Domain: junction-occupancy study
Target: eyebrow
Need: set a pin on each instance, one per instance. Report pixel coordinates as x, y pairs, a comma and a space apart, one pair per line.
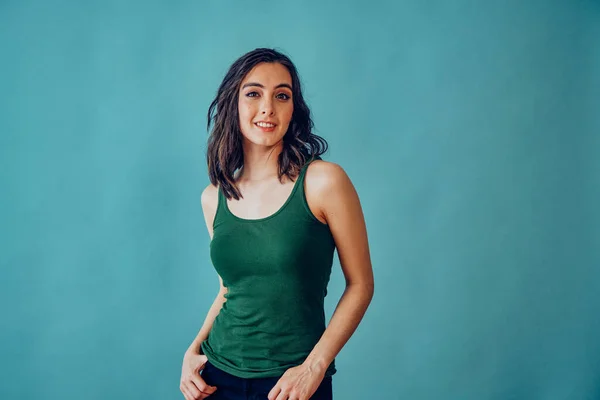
263, 86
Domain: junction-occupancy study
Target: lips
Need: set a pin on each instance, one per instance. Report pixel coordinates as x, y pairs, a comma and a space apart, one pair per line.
266, 127
265, 124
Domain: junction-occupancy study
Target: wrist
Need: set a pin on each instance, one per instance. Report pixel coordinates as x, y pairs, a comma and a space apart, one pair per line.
194, 349
316, 363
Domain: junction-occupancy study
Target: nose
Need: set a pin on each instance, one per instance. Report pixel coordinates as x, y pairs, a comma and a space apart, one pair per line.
267, 107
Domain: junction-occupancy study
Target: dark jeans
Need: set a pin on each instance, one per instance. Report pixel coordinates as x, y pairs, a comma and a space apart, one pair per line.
230, 387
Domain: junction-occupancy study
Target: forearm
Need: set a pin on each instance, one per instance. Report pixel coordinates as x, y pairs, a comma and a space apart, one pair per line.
208, 323
346, 317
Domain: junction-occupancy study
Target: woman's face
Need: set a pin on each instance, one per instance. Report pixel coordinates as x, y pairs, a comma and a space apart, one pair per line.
265, 104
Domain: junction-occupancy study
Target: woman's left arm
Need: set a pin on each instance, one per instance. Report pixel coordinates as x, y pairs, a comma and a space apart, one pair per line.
340, 206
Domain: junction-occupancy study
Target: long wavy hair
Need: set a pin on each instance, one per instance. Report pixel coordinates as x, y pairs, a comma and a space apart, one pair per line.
225, 154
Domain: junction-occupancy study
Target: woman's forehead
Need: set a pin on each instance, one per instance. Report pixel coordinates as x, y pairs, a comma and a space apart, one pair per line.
269, 75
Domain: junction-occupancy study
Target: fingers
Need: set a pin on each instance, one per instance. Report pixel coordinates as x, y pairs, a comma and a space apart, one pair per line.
283, 395
196, 389
186, 392
202, 385
274, 392
192, 385
191, 392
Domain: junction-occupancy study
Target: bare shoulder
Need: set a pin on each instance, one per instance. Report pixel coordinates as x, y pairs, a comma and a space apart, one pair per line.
209, 200
209, 197
336, 203
324, 182
325, 175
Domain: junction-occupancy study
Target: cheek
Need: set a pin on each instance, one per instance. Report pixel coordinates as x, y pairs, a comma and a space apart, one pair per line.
287, 113
245, 111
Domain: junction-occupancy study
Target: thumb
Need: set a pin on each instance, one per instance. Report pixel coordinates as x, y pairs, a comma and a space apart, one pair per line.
203, 386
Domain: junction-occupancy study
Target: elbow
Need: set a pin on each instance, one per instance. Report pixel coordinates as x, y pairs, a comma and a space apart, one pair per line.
371, 290
366, 289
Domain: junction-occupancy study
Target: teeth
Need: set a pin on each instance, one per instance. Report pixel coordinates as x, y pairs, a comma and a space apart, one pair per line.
265, 125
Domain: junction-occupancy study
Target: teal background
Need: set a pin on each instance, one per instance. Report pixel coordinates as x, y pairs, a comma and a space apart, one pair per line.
470, 130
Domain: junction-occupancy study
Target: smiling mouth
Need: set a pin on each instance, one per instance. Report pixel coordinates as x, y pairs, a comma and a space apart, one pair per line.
264, 124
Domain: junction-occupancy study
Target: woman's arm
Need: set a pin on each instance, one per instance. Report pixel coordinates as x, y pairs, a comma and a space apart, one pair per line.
339, 205
208, 321
209, 201
330, 192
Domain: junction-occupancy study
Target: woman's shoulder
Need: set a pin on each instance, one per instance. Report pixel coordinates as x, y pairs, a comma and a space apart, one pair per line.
326, 183
323, 175
209, 198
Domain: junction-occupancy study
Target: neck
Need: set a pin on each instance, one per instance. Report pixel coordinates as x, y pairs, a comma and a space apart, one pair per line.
260, 163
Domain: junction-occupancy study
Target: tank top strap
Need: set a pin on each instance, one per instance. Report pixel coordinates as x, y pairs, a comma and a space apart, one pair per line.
302, 173
221, 198
299, 196
222, 212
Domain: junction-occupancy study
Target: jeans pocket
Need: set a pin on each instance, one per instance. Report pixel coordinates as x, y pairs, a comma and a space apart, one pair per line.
325, 390
207, 367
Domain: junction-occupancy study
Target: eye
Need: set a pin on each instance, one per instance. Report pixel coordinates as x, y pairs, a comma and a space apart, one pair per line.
251, 94
283, 96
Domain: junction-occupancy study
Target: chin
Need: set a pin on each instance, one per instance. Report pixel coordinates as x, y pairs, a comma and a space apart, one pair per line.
267, 142
264, 139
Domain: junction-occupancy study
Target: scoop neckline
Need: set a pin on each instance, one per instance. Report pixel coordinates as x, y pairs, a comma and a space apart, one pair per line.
287, 201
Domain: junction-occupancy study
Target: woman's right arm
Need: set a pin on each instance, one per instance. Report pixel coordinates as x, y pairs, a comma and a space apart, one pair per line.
192, 385
208, 321
209, 200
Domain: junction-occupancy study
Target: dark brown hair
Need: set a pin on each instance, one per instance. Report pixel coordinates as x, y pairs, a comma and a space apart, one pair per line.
225, 154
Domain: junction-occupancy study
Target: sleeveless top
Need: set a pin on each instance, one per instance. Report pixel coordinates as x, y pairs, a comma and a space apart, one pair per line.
276, 270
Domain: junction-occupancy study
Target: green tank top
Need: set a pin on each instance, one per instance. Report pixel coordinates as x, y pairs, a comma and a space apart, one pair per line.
276, 270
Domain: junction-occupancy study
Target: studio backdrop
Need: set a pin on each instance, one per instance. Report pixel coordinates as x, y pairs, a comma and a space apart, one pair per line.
469, 129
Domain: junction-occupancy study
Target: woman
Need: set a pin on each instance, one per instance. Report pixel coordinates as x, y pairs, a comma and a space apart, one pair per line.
275, 213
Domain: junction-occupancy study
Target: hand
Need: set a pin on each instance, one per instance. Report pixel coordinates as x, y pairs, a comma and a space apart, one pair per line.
297, 383
192, 385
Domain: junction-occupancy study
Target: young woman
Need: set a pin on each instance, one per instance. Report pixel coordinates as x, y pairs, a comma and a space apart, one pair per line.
275, 212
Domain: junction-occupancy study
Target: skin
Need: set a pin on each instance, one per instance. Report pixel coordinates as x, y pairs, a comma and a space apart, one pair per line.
331, 197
